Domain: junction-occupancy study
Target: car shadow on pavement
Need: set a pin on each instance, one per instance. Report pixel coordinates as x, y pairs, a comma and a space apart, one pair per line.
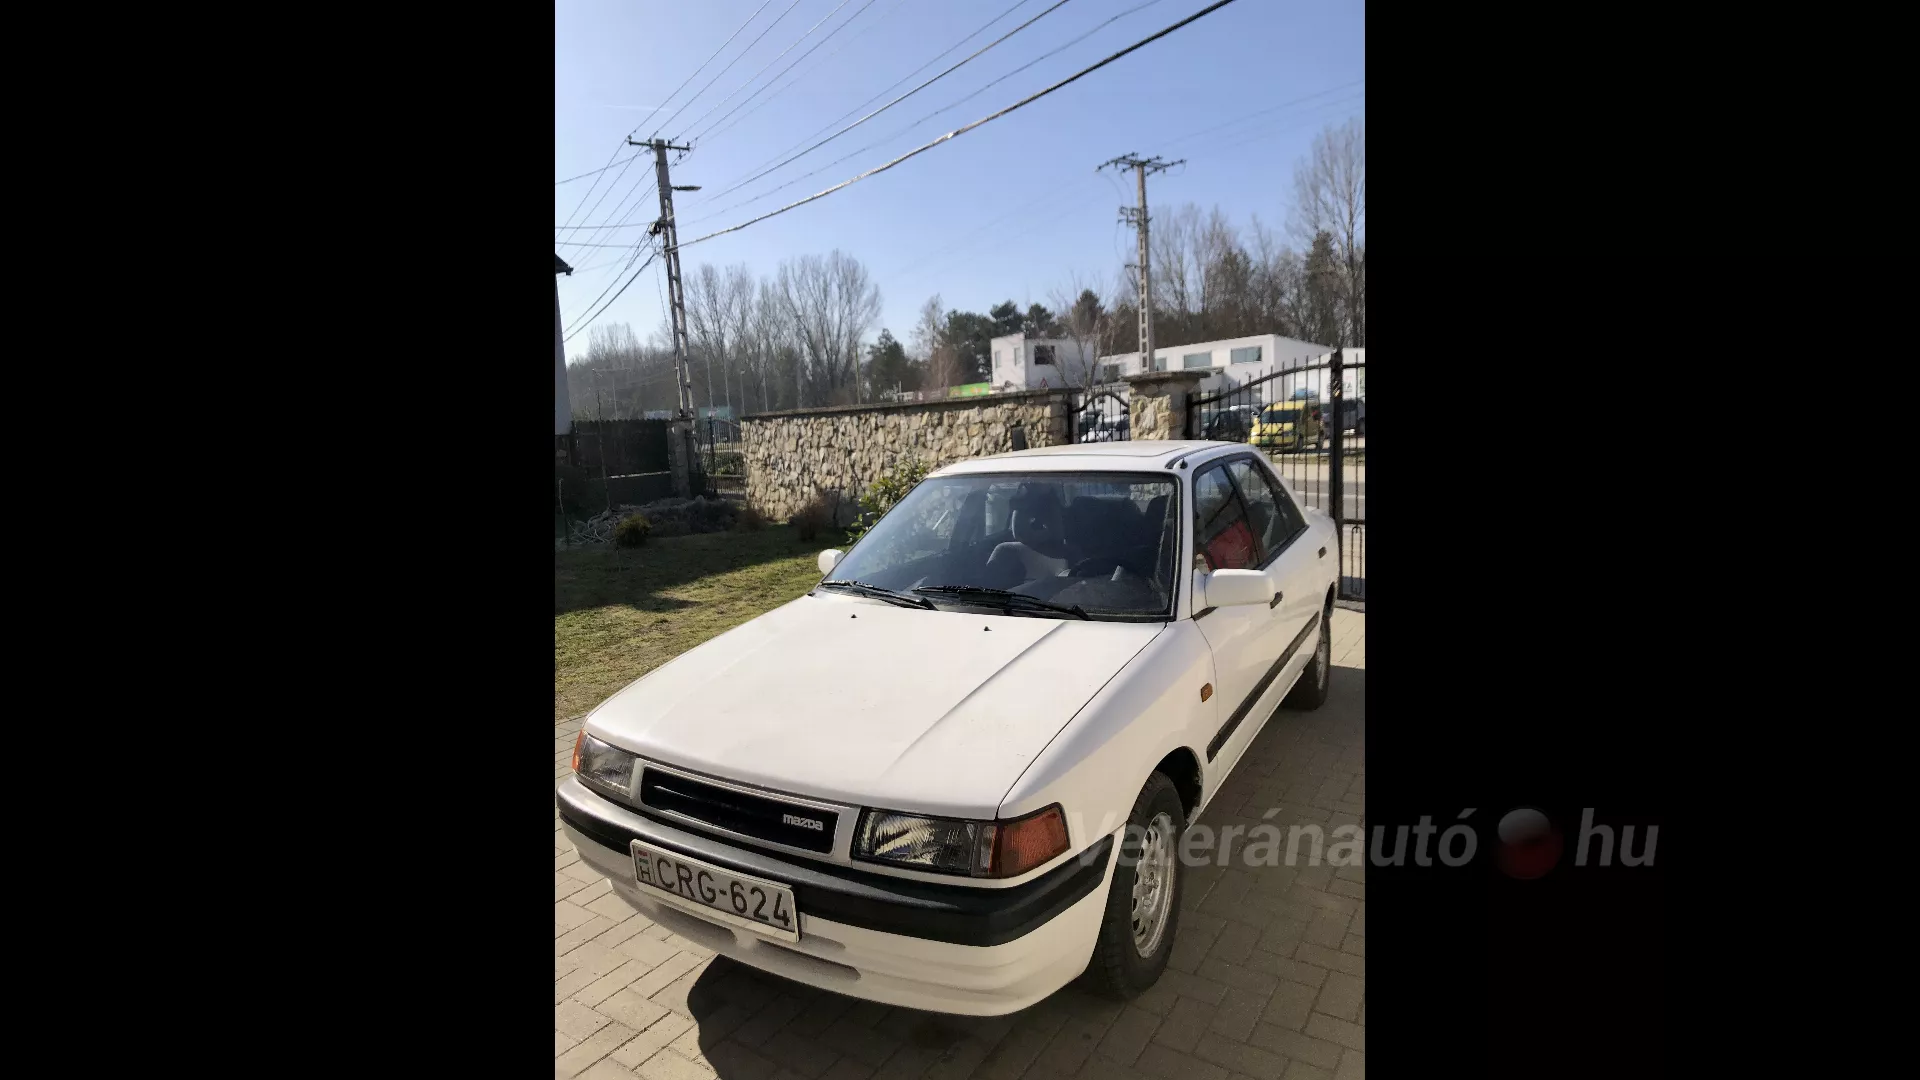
753, 1024
1220, 1000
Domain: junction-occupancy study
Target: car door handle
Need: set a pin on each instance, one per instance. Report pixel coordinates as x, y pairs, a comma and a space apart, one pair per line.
1323, 553
1275, 602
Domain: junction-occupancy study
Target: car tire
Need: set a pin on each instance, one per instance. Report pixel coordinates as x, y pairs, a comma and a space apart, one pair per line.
1310, 689
1120, 968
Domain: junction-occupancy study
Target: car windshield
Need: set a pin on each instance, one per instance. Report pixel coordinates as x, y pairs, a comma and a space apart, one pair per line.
1279, 416
1101, 542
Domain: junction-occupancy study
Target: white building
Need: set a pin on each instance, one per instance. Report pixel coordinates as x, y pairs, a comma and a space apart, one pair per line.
1023, 363
1238, 361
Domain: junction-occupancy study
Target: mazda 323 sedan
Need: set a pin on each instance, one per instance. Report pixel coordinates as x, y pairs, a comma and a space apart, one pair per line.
954, 775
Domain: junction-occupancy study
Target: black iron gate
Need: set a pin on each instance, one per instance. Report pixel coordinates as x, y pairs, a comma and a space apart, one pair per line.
1099, 416
1305, 419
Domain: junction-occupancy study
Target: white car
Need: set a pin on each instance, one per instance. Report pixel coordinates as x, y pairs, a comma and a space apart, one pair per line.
953, 776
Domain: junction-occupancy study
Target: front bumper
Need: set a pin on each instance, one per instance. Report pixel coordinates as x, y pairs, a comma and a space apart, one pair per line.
923, 945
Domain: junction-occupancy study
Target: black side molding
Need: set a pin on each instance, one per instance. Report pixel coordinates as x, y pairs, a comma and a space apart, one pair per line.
1226, 731
956, 914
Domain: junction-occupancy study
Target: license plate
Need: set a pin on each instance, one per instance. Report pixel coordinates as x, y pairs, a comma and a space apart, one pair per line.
750, 903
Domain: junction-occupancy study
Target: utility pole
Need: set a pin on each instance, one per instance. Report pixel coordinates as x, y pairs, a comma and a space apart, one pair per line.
1137, 217
669, 235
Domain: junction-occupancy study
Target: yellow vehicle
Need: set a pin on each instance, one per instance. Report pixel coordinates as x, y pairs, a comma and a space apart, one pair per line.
1289, 425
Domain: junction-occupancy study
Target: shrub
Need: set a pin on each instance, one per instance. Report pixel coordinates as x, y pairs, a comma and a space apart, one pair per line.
749, 520
632, 530
813, 518
882, 494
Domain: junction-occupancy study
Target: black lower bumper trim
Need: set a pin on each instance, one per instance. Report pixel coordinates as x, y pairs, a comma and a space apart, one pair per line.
956, 914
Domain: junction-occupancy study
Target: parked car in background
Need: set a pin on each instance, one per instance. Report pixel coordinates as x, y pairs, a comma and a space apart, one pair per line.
1233, 424
1353, 416
1289, 425
1114, 428
954, 776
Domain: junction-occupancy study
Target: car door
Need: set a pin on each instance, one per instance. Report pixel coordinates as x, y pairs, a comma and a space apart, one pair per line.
1290, 556
1245, 639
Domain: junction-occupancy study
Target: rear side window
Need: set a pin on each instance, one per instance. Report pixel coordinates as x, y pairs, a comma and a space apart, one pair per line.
1225, 538
1270, 513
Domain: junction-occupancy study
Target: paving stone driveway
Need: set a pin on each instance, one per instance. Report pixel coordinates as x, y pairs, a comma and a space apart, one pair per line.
1267, 979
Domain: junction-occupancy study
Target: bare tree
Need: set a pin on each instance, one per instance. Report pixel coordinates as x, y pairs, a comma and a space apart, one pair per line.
737, 316
707, 324
716, 318
1178, 264
1330, 196
1084, 319
942, 363
831, 302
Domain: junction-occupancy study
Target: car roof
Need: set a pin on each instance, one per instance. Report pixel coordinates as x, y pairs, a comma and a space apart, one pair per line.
1135, 456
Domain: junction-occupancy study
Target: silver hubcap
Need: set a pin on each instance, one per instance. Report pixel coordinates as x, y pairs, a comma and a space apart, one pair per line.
1153, 878
1325, 653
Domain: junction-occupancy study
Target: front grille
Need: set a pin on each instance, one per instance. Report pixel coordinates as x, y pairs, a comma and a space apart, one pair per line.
738, 812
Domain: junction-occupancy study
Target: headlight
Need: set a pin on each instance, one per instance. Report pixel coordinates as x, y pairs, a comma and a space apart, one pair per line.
603, 765
950, 846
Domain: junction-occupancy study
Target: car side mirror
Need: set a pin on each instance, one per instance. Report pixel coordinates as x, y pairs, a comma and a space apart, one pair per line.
829, 559
1233, 588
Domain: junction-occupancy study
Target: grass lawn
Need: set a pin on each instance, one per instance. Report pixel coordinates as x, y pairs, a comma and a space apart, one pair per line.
620, 613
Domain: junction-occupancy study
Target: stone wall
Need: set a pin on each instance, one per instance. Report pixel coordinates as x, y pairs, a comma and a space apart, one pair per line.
842, 449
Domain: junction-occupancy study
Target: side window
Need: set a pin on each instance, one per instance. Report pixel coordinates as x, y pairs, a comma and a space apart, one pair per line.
1272, 515
1220, 528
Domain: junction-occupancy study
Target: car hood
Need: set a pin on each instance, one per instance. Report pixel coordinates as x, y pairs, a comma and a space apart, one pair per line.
856, 701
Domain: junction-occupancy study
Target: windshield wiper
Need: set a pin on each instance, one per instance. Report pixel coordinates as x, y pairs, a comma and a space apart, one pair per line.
861, 588
1010, 599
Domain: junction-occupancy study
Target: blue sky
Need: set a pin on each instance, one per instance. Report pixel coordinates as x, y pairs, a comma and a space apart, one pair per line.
1009, 210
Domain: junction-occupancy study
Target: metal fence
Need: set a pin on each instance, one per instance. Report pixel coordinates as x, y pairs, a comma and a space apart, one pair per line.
621, 447
1099, 416
724, 451
1305, 419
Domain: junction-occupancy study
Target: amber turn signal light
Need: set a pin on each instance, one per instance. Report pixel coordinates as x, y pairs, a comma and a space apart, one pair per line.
578, 741
1206, 692
1022, 844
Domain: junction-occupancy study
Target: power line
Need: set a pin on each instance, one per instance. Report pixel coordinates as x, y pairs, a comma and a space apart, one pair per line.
576, 243
957, 132
890, 136
582, 325
983, 232
729, 67
613, 158
604, 194
1055, 7
626, 221
1273, 108
575, 228
593, 172
1244, 137
897, 82
750, 79
704, 63
722, 126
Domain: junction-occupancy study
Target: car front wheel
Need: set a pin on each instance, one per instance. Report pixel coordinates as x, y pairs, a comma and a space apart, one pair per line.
1143, 906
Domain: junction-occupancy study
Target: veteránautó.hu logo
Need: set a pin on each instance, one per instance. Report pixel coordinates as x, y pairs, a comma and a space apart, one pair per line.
1525, 842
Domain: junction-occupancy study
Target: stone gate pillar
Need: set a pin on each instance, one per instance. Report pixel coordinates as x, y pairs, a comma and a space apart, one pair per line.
1157, 403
